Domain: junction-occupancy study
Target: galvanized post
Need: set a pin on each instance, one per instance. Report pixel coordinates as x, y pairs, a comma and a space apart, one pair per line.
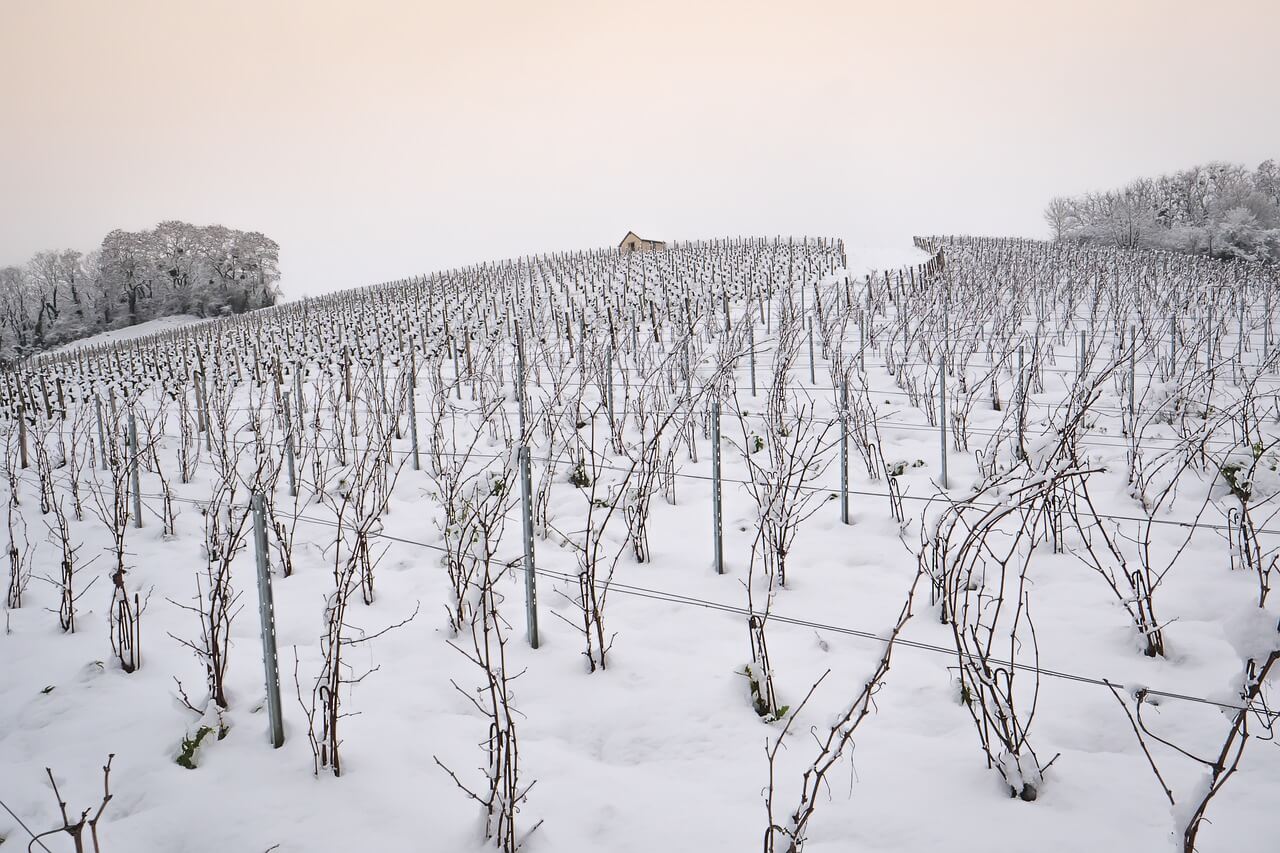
844, 451
203, 391
862, 342
1266, 324
813, 380
134, 478
518, 380
297, 392
22, 435
102, 433
457, 373
1022, 403
289, 463
267, 619
413, 410
526, 518
202, 419
1240, 330
688, 369
608, 385
942, 414
688, 398
1239, 365
751, 346
717, 528
1133, 377
1209, 345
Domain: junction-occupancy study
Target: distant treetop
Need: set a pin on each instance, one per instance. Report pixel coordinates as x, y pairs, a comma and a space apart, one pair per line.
175, 268
1218, 209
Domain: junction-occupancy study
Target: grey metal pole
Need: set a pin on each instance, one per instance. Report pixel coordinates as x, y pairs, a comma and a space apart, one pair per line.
862, 342
102, 433
751, 346
289, 462
942, 414
201, 419
22, 435
1021, 412
813, 379
457, 374
203, 391
608, 385
844, 451
267, 618
1209, 344
1133, 376
717, 527
1266, 324
134, 478
688, 369
297, 393
1237, 366
518, 379
526, 518
413, 410
688, 398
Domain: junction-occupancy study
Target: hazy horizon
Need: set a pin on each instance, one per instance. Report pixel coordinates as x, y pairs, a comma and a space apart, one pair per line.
383, 140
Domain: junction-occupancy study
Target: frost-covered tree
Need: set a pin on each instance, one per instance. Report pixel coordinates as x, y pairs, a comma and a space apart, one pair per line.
1217, 209
174, 268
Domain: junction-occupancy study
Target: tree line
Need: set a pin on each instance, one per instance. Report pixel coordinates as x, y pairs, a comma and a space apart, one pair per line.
175, 268
1222, 210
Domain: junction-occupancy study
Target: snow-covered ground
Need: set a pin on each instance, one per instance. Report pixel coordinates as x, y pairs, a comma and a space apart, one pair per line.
141, 330
662, 751
864, 260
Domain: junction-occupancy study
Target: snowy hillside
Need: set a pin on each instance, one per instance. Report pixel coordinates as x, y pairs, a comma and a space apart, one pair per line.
998, 539
140, 330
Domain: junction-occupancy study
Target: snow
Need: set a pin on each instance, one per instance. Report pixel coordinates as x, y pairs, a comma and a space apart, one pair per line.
140, 330
864, 260
662, 751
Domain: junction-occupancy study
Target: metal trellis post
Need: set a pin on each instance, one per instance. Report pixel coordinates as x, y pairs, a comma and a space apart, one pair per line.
526, 518
267, 618
290, 464
844, 451
942, 415
717, 528
134, 478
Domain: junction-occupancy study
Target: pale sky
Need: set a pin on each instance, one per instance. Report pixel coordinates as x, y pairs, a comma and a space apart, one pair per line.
378, 139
